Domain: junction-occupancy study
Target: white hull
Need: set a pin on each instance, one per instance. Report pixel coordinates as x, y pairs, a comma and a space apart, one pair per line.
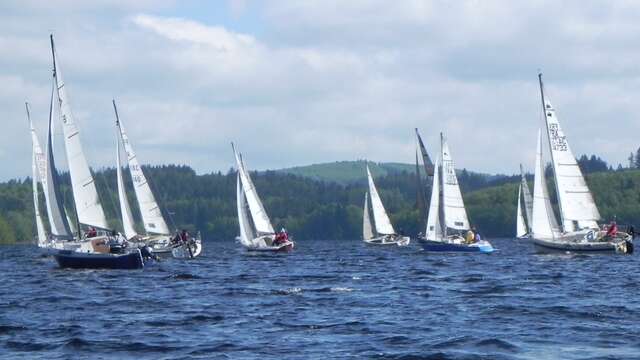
188, 250
266, 243
389, 240
584, 241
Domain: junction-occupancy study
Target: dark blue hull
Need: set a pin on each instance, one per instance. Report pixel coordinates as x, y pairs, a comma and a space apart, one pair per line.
75, 260
448, 247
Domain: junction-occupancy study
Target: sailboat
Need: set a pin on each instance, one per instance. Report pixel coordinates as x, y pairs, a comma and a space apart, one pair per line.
256, 231
381, 232
38, 176
447, 220
94, 249
422, 157
578, 211
523, 225
158, 236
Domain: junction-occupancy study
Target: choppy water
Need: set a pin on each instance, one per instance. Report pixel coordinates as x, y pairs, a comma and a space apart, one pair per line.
327, 299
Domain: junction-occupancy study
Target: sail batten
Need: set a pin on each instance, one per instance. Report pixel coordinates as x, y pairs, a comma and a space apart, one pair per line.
152, 218
380, 218
87, 202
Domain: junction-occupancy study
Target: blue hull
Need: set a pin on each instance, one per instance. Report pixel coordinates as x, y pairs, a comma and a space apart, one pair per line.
445, 247
75, 260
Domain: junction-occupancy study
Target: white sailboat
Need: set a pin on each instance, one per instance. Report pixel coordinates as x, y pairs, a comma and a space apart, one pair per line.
157, 236
382, 232
447, 221
578, 211
523, 225
256, 231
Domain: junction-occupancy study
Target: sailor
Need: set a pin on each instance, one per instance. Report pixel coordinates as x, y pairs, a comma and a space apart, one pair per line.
632, 231
613, 229
281, 237
477, 238
470, 236
92, 232
184, 236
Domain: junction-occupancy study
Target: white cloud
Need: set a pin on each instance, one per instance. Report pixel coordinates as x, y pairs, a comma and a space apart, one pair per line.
324, 81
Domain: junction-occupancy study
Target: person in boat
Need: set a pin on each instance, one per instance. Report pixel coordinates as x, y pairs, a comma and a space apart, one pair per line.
477, 238
613, 230
184, 236
91, 232
281, 237
470, 236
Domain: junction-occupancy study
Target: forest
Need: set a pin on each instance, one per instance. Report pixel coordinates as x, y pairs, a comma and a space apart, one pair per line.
312, 208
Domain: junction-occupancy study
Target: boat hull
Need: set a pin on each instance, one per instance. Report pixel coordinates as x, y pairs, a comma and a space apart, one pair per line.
189, 250
439, 246
543, 245
284, 247
389, 240
77, 260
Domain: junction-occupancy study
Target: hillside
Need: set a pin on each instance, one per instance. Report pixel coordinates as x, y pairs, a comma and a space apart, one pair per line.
310, 209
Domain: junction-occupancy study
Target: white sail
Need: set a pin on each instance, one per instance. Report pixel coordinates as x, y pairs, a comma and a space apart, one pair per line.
367, 230
247, 234
258, 214
38, 168
71, 223
380, 218
542, 214
85, 195
58, 222
151, 214
521, 229
434, 227
125, 210
526, 198
577, 208
455, 215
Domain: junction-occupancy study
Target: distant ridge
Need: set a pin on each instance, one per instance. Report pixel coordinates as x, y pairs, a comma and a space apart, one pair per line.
348, 172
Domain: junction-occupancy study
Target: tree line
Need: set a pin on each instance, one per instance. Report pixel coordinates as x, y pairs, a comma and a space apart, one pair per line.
313, 209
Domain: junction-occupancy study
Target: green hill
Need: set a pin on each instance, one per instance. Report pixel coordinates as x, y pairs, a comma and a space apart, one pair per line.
345, 172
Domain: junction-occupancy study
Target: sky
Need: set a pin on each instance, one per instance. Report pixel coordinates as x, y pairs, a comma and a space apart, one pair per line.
302, 82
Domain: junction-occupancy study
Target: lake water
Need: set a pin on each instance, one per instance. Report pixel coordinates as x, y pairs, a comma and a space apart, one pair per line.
327, 299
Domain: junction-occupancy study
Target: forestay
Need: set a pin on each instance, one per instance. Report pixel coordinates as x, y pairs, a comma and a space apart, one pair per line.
149, 209
455, 215
86, 198
367, 230
380, 217
258, 214
577, 207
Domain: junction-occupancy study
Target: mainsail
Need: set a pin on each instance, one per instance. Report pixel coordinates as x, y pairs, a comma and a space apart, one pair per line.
247, 232
380, 217
58, 223
149, 209
426, 160
85, 195
125, 210
434, 227
258, 214
38, 168
577, 207
367, 230
542, 217
455, 215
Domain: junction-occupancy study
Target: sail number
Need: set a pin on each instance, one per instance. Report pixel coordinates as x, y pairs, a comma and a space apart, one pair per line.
558, 142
